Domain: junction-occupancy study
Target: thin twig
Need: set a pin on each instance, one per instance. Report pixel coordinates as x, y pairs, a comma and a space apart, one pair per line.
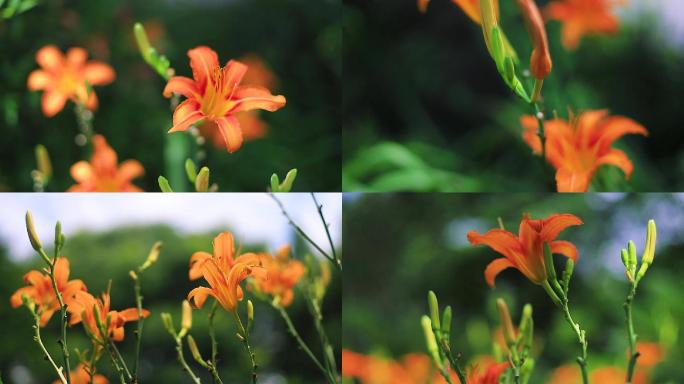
245, 340
319, 208
214, 346
139, 330
317, 316
631, 336
183, 362
37, 338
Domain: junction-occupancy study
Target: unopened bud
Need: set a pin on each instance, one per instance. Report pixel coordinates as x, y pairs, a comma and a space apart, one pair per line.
33, 236
430, 341
434, 310
506, 322
202, 180
540, 61
286, 185
446, 324
191, 170
152, 257
167, 320
43, 162
195, 351
250, 315
186, 320
649, 249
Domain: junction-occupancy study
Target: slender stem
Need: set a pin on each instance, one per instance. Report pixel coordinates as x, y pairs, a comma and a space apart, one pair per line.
319, 208
183, 362
631, 336
581, 338
63, 317
139, 330
317, 316
121, 359
541, 132
212, 335
303, 234
453, 361
37, 338
302, 344
248, 348
115, 363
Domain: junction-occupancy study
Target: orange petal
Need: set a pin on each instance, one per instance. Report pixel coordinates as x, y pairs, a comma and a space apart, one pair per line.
104, 159
530, 126
203, 61
252, 97
564, 248
199, 295
224, 246
182, 86
76, 56
52, 102
553, 225
471, 8
230, 130
233, 73
503, 242
129, 170
82, 172
16, 298
422, 5
50, 58
619, 159
38, 80
62, 272
97, 73
186, 114
196, 264
614, 127
570, 181
118, 333
131, 314
46, 316
494, 268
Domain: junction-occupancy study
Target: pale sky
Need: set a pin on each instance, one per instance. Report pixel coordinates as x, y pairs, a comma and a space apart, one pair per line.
253, 217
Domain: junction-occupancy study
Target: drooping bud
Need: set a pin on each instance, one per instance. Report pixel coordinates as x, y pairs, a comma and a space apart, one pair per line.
202, 180
506, 322
33, 236
195, 351
186, 320
430, 341
434, 310
649, 250
540, 61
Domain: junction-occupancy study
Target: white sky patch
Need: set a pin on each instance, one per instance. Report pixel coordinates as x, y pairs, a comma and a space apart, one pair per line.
254, 217
668, 13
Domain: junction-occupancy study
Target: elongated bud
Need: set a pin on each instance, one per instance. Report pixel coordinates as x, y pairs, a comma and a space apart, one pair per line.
202, 180
186, 320
506, 322
434, 310
250, 315
286, 185
59, 237
489, 21
275, 183
239, 336
43, 162
649, 250
164, 184
446, 324
527, 325
195, 351
167, 320
624, 256
632, 256
540, 61
33, 236
143, 42
152, 256
526, 370
191, 170
548, 262
567, 274
430, 341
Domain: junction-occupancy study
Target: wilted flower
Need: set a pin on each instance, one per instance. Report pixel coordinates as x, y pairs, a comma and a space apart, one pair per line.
103, 173
215, 96
583, 17
579, 147
67, 78
41, 292
525, 252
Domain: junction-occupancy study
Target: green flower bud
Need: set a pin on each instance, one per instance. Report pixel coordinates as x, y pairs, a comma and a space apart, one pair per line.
195, 351
434, 309
43, 161
250, 315
152, 256
164, 184
430, 341
191, 170
167, 320
446, 324
33, 236
649, 250
506, 322
186, 319
202, 180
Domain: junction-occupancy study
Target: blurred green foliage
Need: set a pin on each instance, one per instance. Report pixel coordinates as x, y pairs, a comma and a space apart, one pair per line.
299, 40
427, 83
98, 258
399, 246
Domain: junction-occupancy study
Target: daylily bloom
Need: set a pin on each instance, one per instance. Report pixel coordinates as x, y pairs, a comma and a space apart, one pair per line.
282, 274
540, 61
485, 370
224, 255
413, 368
570, 374
252, 126
82, 309
103, 173
215, 96
576, 149
80, 376
525, 252
650, 354
583, 17
224, 284
66, 78
41, 292
470, 7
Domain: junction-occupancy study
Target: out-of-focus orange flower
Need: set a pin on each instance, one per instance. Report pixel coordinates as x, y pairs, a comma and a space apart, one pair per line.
570, 374
470, 7
65, 78
215, 96
525, 252
223, 272
650, 354
103, 173
540, 61
485, 370
282, 274
80, 376
252, 126
583, 17
224, 255
82, 309
578, 148
414, 368
40, 291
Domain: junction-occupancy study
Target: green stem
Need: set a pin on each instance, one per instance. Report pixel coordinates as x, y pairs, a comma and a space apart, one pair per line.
319, 207
139, 330
302, 344
38, 339
183, 362
581, 339
121, 360
248, 348
115, 363
214, 343
631, 336
541, 132
317, 316
63, 317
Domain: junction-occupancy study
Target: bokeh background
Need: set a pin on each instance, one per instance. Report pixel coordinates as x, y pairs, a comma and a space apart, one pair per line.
299, 40
399, 246
425, 110
109, 235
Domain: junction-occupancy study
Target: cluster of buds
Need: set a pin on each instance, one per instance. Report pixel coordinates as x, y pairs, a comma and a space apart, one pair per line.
286, 185
518, 342
186, 321
437, 332
629, 256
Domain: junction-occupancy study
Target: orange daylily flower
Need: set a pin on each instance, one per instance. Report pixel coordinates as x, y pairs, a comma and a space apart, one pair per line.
583, 17
485, 370
40, 291
82, 309
215, 96
540, 60
525, 252
103, 173
282, 274
650, 354
576, 149
65, 78
570, 374
413, 368
252, 126
224, 255
81, 376
470, 7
